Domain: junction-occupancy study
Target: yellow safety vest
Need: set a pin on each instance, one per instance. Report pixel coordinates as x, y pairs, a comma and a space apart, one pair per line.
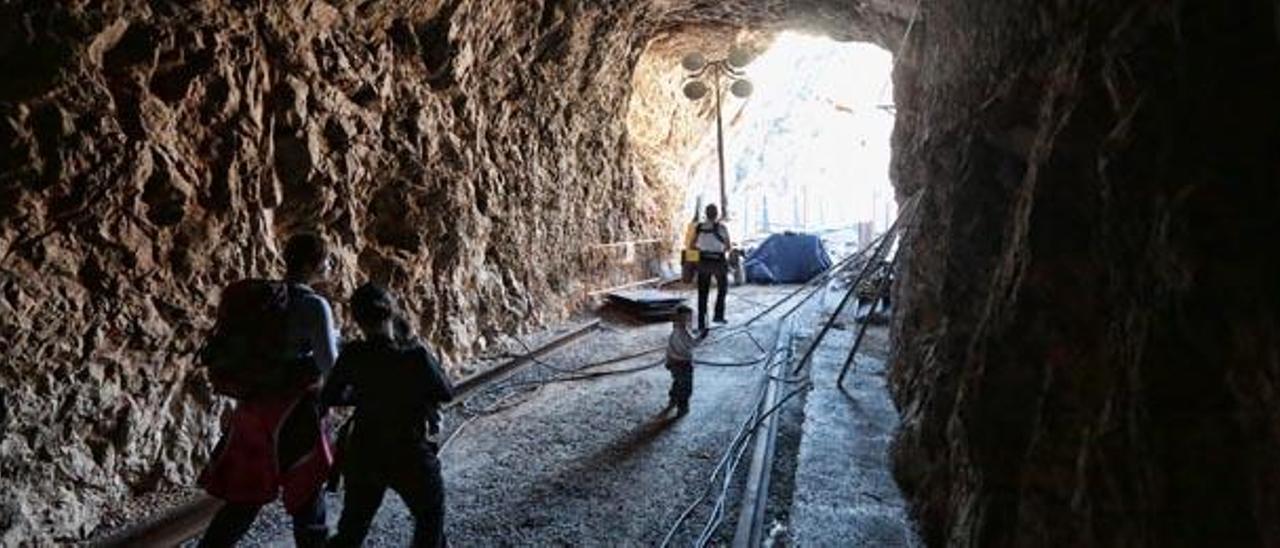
690, 233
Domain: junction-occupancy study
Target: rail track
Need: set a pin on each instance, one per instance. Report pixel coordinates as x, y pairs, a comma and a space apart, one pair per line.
779, 368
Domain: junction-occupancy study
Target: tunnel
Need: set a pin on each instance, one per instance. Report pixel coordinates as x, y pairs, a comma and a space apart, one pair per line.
1084, 346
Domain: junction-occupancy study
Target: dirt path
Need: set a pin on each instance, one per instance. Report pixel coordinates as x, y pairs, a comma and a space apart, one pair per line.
587, 463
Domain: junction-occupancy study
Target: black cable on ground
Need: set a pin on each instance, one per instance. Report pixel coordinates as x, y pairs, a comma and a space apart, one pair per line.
497, 406
737, 445
715, 473
742, 328
813, 286
752, 336
454, 434
592, 375
717, 514
572, 374
616, 359
731, 459
710, 529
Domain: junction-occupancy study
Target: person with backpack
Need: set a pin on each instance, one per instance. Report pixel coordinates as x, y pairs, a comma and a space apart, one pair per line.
711, 239
270, 349
396, 385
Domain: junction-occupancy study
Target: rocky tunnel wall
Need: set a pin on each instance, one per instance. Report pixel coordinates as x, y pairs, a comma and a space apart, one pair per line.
1086, 332
1087, 348
469, 154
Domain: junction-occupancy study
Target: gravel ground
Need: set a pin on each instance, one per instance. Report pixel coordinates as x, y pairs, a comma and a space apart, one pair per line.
783, 476
143, 506
845, 494
591, 463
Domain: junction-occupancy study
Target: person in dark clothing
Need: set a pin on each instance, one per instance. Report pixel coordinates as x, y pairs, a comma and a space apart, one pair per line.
680, 361
711, 239
396, 386
276, 442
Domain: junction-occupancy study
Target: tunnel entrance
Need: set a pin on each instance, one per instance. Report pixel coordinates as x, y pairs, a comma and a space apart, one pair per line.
810, 150
1084, 315
807, 151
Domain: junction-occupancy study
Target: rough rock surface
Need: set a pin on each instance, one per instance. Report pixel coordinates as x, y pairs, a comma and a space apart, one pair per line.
1088, 337
667, 131
1089, 350
468, 153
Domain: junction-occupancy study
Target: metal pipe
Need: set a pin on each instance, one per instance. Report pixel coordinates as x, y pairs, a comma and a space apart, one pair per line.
862, 331
724, 195
471, 383
624, 286
755, 496
171, 528
890, 236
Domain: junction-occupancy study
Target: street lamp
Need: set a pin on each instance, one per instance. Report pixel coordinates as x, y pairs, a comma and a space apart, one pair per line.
719, 72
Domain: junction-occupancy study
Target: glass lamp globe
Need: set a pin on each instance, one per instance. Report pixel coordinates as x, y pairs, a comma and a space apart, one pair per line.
693, 62
695, 90
741, 88
739, 57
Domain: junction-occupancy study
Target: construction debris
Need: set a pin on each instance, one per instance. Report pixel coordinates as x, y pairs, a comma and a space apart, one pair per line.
645, 305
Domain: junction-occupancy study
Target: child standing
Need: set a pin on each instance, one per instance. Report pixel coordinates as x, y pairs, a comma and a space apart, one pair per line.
397, 387
680, 361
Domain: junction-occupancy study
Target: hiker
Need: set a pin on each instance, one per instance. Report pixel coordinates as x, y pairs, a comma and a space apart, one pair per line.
711, 239
272, 345
396, 386
680, 361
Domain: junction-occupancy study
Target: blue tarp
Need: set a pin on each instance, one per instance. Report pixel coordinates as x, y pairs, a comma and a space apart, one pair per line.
787, 258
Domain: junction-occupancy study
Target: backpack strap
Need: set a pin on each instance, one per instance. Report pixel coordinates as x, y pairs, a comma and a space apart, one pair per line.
714, 230
297, 289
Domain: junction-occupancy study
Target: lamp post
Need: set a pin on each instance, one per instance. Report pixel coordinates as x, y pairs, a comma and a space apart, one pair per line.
718, 72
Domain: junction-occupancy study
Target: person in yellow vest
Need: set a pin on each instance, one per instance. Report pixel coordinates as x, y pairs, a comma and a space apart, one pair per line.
710, 239
689, 255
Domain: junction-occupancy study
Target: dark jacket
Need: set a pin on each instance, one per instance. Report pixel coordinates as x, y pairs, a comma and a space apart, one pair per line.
396, 389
